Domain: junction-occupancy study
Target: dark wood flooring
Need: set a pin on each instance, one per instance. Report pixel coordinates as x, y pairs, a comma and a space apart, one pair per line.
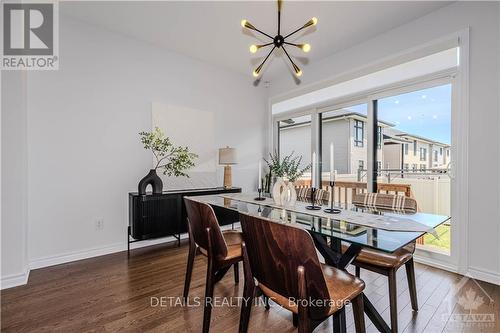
112, 293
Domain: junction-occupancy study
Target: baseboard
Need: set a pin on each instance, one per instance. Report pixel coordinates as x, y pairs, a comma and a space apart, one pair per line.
435, 263
484, 275
75, 255
14, 280
100, 251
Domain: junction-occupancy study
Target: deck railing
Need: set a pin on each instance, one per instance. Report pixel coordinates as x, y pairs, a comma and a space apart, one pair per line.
343, 191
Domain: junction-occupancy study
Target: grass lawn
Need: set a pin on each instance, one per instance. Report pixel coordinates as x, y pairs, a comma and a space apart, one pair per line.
444, 238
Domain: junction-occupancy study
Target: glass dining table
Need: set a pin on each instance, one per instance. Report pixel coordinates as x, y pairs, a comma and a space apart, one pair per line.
329, 233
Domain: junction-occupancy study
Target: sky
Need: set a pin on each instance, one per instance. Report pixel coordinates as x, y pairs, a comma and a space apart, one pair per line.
424, 113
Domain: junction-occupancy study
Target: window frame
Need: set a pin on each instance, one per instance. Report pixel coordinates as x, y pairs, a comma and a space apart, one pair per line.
357, 142
459, 77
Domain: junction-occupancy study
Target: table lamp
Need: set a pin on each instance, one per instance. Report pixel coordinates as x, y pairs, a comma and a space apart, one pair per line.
227, 157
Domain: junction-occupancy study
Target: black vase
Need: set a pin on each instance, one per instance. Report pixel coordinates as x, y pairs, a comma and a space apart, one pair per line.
153, 180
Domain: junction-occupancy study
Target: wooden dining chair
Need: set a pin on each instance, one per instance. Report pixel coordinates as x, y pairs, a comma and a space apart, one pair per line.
304, 193
388, 263
222, 248
281, 261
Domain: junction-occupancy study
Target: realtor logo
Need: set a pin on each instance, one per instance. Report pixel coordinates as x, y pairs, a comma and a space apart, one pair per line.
29, 36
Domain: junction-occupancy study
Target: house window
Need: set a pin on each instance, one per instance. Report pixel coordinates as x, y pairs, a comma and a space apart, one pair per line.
414, 147
406, 148
359, 129
361, 165
379, 137
414, 167
423, 154
423, 167
379, 165
441, 151
406, 166
448, 153
435, 155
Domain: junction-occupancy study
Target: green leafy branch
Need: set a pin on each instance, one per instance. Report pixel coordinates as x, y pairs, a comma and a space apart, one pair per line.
288, 167
174, 160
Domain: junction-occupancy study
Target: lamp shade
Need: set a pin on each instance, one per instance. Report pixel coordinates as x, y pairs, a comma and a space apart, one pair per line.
227, 156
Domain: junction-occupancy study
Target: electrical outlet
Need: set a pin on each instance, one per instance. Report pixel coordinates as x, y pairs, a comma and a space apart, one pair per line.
99, 224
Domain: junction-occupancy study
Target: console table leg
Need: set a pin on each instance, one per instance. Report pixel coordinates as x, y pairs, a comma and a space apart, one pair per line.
128, 241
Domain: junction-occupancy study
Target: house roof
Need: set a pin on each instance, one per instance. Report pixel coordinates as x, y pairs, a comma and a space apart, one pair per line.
390, 133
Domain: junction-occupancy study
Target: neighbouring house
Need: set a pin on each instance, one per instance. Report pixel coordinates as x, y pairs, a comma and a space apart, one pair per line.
348, 132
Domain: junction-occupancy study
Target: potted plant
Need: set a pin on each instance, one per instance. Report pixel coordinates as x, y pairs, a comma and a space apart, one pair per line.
286, 171
174, 160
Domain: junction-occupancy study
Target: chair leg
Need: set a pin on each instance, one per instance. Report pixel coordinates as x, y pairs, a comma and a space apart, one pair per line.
304, 325
393, 300
410, 275
359, 315
236, 273
209, 293
189, 270
266, 302
295, 320
246, 305
358, 271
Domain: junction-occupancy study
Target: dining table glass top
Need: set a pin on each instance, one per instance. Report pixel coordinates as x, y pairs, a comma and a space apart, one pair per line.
315, 222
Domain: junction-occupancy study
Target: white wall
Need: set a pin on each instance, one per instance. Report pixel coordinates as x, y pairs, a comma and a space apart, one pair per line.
483, 20
83, 123
14, 268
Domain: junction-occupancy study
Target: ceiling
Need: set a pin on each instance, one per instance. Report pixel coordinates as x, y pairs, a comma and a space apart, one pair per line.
211, 31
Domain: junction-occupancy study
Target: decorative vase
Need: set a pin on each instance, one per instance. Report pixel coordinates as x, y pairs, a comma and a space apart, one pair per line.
284, 193
151, 179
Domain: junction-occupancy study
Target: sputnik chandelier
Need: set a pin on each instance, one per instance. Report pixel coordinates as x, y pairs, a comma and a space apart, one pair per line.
279, 41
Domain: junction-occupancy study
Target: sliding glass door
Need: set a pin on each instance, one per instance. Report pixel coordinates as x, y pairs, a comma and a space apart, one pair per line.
416, 150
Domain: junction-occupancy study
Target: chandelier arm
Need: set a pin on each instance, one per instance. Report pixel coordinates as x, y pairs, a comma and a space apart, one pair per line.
254, 28
265, 59
295, 31
289, 58
293, 44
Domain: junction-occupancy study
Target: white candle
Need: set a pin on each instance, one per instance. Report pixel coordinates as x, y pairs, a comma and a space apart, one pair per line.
260, 175
332, 173
313, 173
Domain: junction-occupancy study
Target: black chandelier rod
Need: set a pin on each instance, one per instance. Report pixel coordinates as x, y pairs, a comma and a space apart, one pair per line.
289, 58
279, 16
265, 59
308, 24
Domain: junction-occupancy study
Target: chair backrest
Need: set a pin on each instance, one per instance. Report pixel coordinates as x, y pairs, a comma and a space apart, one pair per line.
200, 217
392, 202
304, 193
276, 251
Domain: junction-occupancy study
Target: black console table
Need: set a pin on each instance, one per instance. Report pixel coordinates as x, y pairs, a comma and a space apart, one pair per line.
161, 215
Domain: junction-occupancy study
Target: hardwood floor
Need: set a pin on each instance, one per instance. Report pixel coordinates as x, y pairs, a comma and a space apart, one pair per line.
112, 293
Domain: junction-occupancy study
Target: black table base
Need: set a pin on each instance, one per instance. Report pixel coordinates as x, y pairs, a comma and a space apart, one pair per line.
334, 257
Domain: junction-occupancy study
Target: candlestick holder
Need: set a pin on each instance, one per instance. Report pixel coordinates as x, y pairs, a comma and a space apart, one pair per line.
260, 198
313, 201
332, 210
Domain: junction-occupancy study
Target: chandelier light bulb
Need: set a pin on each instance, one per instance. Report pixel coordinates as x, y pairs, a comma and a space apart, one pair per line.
305, 47
253, 48
243, 23
255, 73
314, 21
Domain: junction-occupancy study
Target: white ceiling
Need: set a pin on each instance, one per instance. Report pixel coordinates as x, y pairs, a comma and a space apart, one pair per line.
211, 31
